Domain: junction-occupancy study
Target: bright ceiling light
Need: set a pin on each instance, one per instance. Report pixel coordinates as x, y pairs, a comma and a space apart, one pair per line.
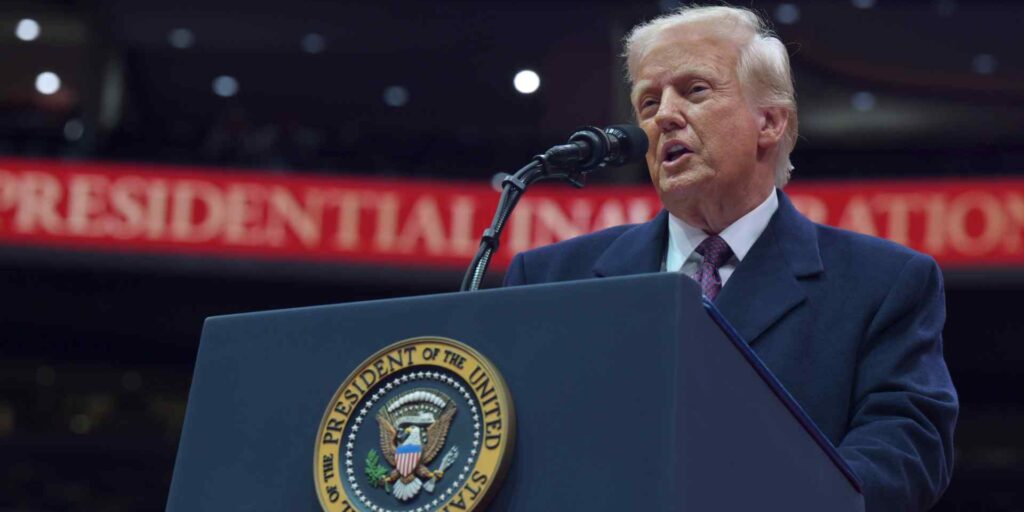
27, 29
526, 81
47, 82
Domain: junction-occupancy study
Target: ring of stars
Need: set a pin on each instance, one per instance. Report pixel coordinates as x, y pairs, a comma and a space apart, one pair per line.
392, 383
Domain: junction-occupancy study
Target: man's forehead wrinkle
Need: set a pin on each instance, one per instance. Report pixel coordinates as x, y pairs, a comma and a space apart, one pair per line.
661, 63
704, 48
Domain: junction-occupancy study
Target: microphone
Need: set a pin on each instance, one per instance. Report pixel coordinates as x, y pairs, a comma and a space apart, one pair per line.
588, 149
591, 147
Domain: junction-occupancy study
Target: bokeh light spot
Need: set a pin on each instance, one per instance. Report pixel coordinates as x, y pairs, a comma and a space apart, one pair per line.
27, 29
225, 86
47, 82
863, 101
396, 96
787, 14
181, 38
526, 81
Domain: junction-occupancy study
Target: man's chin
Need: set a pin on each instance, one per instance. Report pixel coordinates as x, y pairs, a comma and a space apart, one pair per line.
681, 190
681, 184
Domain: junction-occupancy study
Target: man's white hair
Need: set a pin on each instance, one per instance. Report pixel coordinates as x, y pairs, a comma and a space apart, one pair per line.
763, 64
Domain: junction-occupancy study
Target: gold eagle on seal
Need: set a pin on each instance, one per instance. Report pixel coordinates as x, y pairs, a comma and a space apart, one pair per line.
413, 429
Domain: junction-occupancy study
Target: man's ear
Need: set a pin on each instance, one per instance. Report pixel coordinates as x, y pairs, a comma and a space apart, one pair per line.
772, 126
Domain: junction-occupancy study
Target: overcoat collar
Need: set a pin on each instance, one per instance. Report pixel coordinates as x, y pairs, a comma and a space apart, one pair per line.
765, 285
639, 250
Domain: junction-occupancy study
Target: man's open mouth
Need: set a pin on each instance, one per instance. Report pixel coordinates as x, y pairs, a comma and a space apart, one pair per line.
674, 151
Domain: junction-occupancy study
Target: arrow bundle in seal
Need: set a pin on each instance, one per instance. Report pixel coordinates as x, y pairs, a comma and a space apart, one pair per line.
448, 460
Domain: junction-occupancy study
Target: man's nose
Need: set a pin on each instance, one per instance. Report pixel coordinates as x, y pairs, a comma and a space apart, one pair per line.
669, 116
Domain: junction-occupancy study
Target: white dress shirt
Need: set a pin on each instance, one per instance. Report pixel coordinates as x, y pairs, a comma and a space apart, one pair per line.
683, 239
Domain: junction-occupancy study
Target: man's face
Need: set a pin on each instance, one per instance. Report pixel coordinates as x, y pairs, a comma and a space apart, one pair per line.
702, 126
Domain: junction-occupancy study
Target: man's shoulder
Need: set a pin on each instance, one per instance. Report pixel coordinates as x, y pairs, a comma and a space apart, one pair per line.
567, 260
591, 243
866, 255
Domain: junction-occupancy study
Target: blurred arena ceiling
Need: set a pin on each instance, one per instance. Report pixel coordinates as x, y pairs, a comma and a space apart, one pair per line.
895, 74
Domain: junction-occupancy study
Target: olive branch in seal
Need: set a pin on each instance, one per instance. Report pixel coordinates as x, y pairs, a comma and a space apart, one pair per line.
375, 471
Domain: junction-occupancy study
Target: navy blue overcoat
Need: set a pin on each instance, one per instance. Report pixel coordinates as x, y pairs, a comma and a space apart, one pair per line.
850, 324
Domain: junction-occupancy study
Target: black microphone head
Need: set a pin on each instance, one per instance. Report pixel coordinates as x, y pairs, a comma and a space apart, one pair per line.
632, 143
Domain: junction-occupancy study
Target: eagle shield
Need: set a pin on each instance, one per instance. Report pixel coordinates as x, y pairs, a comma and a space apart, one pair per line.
407, 457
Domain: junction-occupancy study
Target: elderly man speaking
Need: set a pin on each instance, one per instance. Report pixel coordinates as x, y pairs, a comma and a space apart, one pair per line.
850, 324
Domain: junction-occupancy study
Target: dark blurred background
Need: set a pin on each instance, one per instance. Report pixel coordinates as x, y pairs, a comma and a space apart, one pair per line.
97, 349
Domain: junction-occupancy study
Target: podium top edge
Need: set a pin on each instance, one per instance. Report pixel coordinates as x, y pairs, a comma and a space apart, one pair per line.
671, 277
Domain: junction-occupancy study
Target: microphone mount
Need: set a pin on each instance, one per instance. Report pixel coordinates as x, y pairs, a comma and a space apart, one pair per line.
512, 189
585, 151
588, 149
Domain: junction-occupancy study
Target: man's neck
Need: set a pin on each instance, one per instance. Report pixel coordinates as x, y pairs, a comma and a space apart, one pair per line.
715, 218
741, 235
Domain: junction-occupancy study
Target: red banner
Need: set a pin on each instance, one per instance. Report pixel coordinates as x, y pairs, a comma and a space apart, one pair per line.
146, 208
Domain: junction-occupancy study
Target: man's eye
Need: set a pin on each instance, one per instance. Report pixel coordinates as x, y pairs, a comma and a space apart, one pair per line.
698, 88
647, 103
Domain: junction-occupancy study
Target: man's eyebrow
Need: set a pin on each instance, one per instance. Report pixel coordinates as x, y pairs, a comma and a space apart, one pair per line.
703, 72
638, 88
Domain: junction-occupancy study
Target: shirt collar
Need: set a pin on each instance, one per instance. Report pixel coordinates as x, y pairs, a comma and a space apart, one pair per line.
683, 238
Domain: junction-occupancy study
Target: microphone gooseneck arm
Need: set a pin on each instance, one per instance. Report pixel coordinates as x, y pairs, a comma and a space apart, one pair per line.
512, 189
588, 149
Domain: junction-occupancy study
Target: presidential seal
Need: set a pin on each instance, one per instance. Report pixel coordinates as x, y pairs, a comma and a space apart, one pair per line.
425, 424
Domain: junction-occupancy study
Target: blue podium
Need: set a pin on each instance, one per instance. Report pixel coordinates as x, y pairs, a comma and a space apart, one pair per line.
630, 394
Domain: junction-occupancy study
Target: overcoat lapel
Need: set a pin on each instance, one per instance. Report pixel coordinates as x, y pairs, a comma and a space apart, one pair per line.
765, 286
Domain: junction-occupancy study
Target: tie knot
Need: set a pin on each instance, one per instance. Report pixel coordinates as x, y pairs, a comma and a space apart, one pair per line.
714, 250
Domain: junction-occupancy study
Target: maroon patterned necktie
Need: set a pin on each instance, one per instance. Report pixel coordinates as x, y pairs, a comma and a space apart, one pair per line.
715, 252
